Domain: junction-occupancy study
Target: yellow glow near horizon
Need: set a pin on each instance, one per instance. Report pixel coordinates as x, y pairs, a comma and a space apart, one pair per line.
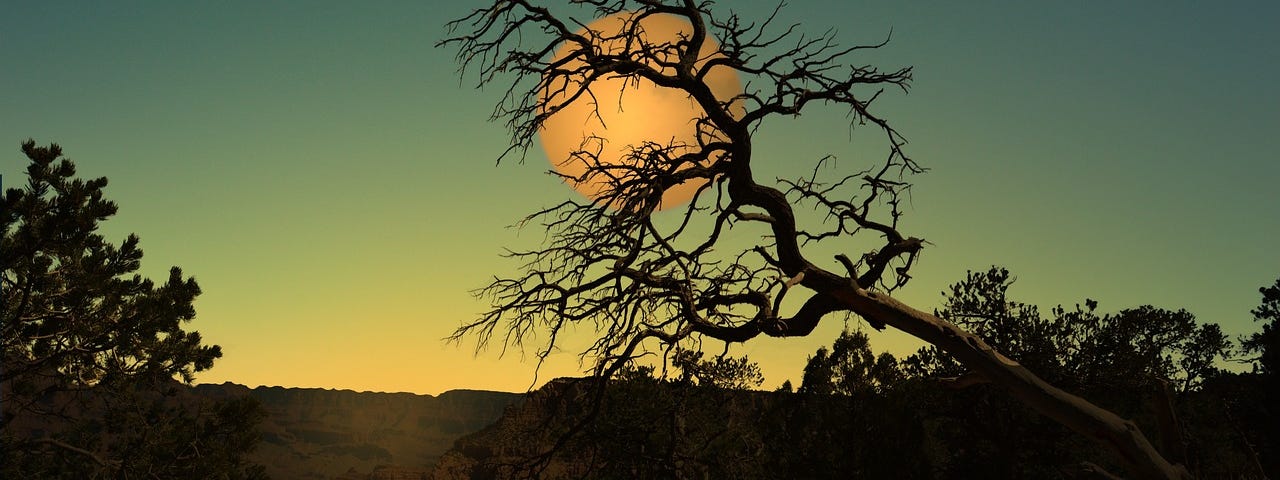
630, 112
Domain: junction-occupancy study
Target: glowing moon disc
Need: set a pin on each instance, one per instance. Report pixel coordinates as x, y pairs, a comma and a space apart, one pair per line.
631, 112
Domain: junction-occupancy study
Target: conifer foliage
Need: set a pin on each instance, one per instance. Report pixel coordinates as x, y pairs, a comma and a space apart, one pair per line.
92, 350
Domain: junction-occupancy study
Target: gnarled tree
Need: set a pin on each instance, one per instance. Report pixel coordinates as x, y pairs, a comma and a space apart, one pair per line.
647, 283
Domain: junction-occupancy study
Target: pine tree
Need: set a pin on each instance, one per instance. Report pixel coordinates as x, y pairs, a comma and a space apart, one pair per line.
92, 350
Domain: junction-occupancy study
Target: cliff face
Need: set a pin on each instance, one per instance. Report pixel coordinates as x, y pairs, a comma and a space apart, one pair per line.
314, 433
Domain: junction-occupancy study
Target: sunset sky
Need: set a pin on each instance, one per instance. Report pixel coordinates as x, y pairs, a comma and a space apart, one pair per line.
331, 184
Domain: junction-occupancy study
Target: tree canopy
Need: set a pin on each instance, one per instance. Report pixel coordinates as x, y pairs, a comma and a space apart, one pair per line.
863, 414
91, 348
1076, 347
1266, 343
850, 368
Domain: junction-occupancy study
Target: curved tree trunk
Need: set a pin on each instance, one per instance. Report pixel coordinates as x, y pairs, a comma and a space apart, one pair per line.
1118, 434
799, 75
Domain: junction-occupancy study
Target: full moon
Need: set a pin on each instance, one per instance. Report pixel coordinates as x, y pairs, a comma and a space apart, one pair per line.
631, 112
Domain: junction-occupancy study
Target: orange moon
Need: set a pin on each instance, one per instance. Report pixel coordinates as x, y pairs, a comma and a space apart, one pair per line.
631, 112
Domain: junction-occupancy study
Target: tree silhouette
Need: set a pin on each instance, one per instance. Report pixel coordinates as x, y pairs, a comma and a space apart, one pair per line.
1132, 362
91, 348
734, 373
647, 284
1266, 343
1258, 402
1077, 347
850, 368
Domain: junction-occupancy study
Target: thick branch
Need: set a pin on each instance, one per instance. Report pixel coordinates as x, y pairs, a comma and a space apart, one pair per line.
1121, 435
637, 283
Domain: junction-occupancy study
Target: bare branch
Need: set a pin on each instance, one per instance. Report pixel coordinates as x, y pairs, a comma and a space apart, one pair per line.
615, 265
74, 449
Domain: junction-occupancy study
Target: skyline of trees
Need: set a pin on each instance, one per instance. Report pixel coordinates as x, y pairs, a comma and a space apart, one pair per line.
94, 355
860, 413
1176, 347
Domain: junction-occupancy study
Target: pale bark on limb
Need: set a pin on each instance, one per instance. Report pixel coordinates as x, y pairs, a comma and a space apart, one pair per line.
606, 263
1120, 435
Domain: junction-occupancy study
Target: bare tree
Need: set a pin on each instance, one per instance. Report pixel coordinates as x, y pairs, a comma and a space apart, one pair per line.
647, 285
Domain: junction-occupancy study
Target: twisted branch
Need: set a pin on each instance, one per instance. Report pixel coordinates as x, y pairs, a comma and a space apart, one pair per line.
635, 278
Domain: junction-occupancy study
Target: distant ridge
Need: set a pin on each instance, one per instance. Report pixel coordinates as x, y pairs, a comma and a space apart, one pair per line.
317, 433
216, 388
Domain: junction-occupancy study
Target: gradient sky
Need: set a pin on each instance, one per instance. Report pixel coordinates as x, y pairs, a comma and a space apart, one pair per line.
321, 171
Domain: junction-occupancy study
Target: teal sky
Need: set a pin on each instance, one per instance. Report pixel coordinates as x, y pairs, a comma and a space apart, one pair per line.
322, 172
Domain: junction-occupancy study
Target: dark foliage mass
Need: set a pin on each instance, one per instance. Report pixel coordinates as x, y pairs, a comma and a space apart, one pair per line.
1256, 397
862, 415
1077, 348
91, 349
1266, 343
722, 266
1146, 363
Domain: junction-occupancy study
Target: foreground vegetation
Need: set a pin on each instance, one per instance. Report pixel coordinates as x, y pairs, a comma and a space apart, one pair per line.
92, 349
861, 415
93, 355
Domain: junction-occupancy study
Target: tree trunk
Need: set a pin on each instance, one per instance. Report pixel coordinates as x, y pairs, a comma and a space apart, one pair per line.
1119, 435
